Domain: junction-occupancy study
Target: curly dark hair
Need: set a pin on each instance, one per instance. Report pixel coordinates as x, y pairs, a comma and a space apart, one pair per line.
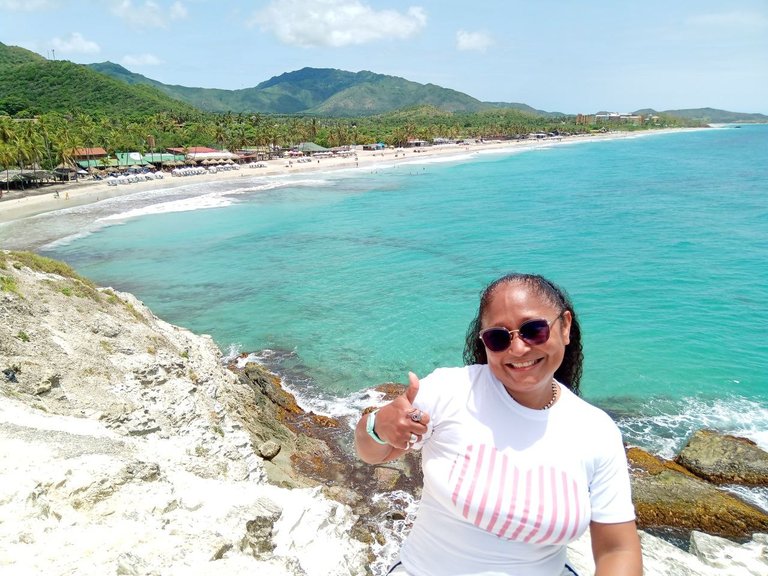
569, 372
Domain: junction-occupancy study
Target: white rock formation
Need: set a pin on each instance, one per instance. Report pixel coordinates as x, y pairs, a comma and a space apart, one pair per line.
709, 556
119, 453
123, 452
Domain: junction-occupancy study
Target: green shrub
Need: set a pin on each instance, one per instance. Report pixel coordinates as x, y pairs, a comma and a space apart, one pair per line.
8, 284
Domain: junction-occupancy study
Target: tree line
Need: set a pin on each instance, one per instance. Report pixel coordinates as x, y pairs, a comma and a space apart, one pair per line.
49, 140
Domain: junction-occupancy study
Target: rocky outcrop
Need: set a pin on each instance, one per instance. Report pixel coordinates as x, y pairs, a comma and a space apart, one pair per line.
127, 448
706, 556
667, 496
725, 459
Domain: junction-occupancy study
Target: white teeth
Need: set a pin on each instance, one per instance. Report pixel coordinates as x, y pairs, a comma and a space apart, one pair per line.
523, 364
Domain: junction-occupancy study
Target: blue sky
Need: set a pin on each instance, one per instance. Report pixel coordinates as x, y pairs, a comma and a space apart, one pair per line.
556, 55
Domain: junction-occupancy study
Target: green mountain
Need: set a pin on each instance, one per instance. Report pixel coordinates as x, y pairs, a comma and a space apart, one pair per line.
31, 84
710, 115
12, 55
322, 91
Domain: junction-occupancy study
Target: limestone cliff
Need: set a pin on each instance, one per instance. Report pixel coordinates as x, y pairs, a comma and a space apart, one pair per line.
126, 447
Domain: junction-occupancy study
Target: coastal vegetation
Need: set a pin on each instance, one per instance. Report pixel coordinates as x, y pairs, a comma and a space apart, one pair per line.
47, 140
49, 109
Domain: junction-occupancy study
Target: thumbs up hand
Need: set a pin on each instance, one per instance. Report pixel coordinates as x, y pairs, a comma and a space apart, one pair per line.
399, 423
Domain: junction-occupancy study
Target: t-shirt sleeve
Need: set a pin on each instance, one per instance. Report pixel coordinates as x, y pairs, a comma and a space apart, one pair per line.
610, 490
429, 397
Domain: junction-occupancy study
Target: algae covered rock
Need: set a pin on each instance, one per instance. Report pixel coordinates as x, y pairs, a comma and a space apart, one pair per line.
725, 459
667, 497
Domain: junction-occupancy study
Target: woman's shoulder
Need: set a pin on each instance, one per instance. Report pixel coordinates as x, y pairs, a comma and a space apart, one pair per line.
590, 414
458, 375
448, 376
445, 383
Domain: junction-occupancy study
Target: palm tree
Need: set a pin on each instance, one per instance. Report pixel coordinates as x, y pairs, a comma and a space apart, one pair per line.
7, 157
87, 129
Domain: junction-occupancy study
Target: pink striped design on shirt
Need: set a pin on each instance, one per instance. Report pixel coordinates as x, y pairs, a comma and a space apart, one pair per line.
567, 512
539, 509
500, 494
492, 454
540, 505
513, 503
473, 484
527, 509
465, 465
554, 507
577, 513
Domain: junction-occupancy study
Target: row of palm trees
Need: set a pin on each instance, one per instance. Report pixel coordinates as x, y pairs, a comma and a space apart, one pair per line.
49, 140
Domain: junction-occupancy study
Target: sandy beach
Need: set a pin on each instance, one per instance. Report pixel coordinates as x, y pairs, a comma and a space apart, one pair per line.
16, 204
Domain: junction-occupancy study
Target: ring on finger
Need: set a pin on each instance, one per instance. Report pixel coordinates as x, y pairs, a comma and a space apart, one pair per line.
415, 415
413, 439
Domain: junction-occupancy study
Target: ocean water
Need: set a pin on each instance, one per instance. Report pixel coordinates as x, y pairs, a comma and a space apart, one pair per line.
344, 280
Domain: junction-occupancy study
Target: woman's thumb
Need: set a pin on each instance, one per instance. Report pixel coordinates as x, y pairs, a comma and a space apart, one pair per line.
413, 387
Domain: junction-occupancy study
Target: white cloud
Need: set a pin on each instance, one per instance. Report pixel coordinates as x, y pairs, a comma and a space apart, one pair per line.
479, 41
75, 44
25, 5
147, 14
178, 11
141, 60
336, 23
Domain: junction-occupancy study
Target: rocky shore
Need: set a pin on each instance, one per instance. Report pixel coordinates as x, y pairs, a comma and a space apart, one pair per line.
128, 447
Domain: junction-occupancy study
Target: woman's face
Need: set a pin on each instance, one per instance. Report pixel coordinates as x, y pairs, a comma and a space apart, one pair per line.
526, 370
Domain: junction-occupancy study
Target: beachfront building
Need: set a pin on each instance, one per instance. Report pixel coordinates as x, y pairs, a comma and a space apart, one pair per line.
618, 117
255, 153
200, 154
162, 160
87, 154
311, 149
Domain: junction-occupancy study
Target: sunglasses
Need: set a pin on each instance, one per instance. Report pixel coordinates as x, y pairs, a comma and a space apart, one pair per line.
533, 333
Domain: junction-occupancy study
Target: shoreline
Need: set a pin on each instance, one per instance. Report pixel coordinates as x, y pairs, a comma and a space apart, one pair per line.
18, 205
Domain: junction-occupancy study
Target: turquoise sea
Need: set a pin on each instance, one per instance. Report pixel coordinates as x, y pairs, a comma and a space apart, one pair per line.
343, 280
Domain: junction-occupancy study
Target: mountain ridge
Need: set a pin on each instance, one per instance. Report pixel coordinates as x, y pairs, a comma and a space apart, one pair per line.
307, 91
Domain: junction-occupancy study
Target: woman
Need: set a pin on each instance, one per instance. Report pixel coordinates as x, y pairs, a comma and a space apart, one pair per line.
515, 464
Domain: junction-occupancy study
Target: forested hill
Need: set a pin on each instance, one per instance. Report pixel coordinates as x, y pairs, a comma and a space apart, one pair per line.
12, 55
711, 115
321, 91
31, 84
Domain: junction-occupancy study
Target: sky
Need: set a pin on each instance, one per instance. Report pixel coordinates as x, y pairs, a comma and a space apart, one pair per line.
565, 56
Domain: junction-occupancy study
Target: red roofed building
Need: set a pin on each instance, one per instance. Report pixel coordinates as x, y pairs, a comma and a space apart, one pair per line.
200, 153
88, 153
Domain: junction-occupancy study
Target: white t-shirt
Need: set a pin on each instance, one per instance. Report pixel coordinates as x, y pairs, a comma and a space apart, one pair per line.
507, 487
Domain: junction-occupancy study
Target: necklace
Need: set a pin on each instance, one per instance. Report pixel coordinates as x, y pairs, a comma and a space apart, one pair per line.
554, 396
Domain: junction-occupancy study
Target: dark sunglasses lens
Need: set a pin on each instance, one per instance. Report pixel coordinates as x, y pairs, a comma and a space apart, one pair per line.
496, 339
535, 331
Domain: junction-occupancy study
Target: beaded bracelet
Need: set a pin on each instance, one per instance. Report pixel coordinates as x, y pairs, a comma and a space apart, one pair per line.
369, 427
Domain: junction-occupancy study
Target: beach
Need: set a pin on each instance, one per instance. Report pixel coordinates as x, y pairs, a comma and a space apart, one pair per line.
17, 204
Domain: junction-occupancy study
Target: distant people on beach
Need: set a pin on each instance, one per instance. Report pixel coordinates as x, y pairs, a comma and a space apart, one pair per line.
516, 465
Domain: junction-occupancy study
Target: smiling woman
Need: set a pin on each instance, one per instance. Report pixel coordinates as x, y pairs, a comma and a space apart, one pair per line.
515, 464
